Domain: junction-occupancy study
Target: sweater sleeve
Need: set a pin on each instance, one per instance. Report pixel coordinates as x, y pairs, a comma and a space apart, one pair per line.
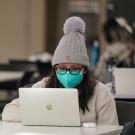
12, 111
105, 106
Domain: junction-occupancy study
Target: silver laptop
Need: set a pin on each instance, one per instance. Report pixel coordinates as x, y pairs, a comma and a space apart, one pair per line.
124, 82
49, 106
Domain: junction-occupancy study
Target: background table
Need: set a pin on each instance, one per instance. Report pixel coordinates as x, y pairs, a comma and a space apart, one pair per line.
8, 75
13, 128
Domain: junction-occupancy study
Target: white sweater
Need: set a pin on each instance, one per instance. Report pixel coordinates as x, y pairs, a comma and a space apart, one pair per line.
101, 105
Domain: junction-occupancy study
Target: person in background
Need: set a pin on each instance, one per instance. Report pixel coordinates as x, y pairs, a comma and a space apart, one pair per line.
120, 46
70, 70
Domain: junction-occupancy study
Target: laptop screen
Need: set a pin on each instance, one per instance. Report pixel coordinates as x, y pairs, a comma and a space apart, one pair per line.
124, 82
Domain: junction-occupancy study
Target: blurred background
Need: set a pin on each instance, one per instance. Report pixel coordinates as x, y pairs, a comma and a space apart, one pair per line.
31, 29
30, 26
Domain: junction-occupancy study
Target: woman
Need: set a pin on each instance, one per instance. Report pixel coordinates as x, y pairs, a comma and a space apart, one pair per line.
70, 70
120, 46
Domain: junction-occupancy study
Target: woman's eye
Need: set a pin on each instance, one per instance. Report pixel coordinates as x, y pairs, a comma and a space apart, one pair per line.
61, 70
75, 71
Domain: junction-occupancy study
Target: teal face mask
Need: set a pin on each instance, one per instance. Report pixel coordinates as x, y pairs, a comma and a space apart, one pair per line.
68, 80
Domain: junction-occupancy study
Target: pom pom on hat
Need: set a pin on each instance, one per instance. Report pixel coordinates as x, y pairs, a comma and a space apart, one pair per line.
74, 24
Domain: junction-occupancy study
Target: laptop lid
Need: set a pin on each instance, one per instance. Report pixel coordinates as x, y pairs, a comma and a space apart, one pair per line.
124, 82
49, 106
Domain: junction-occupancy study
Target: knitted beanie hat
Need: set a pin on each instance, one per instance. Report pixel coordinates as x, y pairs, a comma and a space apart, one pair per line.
72, 48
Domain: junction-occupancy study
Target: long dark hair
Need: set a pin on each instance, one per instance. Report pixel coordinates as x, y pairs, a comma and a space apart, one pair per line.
121, 33
85, 88
110, 25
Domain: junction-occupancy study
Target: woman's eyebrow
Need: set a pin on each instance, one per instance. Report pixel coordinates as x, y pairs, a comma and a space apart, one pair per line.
75, 67
61, 66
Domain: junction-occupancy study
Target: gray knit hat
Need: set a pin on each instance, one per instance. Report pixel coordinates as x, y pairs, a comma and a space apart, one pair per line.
72, 48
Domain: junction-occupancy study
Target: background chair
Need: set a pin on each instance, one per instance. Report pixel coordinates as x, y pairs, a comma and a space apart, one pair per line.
126, 111
44, 68
11, 83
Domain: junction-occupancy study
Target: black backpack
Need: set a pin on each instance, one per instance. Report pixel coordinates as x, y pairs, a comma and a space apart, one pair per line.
129, 128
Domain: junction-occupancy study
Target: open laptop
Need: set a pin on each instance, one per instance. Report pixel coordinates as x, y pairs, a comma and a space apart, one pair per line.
124, 82
49, 106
